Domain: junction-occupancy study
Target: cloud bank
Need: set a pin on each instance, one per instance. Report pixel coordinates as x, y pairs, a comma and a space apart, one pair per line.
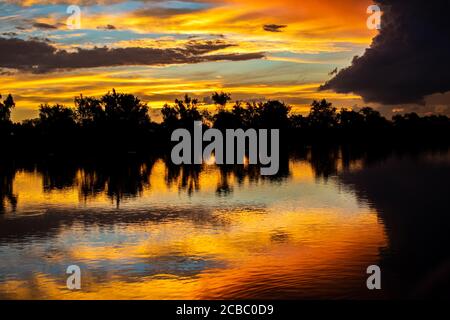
407, 61
41, 57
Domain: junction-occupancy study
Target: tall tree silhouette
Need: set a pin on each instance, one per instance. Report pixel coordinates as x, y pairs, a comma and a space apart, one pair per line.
89, 111
373, 118
182, 114
272, 115
221, 99
6, 107
125, 109
322, 115
56, 118
350, 120
225, 119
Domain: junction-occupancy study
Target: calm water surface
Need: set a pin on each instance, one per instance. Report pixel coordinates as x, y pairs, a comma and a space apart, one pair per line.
146, 230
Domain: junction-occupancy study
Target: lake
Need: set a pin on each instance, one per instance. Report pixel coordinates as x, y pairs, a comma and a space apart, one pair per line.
145, 229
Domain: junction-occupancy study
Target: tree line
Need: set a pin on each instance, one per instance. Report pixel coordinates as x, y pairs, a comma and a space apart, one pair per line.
121, 121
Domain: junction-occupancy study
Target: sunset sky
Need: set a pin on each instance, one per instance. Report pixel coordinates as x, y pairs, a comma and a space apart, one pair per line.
160, 50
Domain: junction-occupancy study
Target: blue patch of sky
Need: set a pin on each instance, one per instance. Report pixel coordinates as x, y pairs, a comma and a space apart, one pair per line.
12, 16
338, 57
108, 37
8, 9
237, 72
184, 5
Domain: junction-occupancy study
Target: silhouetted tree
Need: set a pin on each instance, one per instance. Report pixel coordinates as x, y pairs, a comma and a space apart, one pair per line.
56, 128
322, 115
406, 121
6, 107
225, 119
350, 120
182, 114
123, 109
298, 121
272, 115
56, 117
221, 99
89, 111
170, 116
245, 115
188, 110
373, 119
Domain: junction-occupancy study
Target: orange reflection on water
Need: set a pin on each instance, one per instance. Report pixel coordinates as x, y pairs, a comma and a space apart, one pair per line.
286, 252
297, 238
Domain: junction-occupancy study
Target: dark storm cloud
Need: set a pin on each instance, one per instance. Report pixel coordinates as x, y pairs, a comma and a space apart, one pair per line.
274, 27
407, 61
40, 57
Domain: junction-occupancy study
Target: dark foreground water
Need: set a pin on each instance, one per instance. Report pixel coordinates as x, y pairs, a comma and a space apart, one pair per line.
145, 230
